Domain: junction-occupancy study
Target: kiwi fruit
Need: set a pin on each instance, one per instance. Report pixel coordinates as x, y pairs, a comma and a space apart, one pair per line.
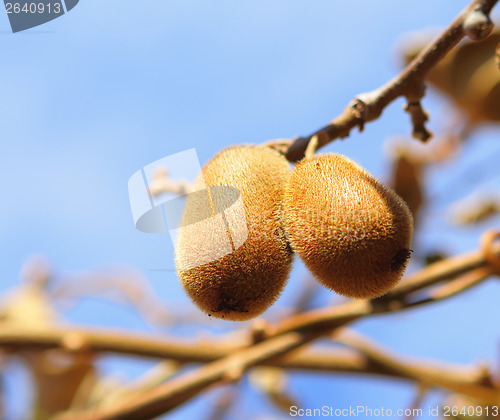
232, 256
352, 232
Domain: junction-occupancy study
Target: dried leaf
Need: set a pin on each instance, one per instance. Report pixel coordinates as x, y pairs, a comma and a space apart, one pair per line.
29, 304
469, 76
406, 174
475, 209
498, 55
407, 182
58, 377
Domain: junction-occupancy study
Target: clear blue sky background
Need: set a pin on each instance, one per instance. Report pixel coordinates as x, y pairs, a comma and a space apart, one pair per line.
90, 98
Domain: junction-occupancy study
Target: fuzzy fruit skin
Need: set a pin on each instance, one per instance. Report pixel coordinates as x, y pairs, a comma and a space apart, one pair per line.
244, 283
351, 231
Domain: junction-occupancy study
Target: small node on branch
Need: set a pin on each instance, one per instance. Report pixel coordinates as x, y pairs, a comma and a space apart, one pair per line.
259, 330
366, 106
74, 342
233, 374
358, 109
312, 146
484, 375
478, 25
418, 119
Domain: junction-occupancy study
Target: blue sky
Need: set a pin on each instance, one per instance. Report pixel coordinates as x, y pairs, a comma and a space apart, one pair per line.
93, 96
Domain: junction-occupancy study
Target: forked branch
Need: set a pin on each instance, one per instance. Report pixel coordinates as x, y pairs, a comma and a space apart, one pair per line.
473, 21
276, 342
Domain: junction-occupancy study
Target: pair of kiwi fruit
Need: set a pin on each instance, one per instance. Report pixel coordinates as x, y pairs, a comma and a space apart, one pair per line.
235, 248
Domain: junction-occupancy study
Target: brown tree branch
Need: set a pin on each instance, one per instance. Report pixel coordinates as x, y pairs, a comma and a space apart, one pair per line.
14, 338
465, 282
280, 340
333, 360
487, 256
165, 397
425, 374
472, 21
180, 389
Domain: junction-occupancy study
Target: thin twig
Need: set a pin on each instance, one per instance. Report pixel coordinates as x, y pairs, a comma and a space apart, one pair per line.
420, 373
418, 399
464, 282
224, 404
439, 271
367, 107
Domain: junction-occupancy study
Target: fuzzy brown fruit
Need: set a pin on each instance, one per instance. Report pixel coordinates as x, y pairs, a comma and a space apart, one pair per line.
351, 231
232, 255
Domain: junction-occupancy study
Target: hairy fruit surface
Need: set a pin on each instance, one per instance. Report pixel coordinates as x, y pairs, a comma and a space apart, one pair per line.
232, 256
351, 231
